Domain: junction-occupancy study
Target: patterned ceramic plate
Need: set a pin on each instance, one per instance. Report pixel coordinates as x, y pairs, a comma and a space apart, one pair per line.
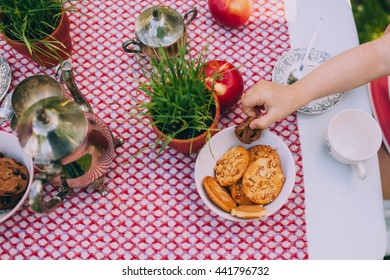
226, 139
5, 77
290, 61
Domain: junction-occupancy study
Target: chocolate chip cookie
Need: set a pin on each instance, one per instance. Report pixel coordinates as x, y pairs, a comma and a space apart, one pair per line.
13, 182
246, 134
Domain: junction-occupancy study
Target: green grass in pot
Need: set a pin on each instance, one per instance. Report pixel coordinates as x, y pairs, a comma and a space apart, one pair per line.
29, 21
178, 102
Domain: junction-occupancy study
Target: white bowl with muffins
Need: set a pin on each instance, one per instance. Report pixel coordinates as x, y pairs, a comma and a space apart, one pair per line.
244, 181
16, 175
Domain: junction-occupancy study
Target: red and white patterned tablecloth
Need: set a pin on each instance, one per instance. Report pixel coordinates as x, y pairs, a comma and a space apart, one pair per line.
153, 210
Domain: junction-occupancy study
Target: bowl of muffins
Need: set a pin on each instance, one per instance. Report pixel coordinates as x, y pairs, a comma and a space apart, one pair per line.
16, 175
245, 179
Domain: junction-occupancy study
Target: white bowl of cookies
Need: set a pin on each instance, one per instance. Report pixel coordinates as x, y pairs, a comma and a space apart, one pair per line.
16, 175
244, 181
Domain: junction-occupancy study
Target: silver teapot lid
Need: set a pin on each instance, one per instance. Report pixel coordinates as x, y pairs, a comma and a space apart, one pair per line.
51, 129
33, 89
159, 26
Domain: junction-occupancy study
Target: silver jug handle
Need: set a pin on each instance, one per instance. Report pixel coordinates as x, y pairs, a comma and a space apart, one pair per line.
67, 77
194, 12
126, 44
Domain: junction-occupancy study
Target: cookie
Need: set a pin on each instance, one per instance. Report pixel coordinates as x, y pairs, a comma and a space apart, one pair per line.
246, 134
238, 195
9, 202
13, 182
263, 151
249, 211
263, 181
219, 195
231, 166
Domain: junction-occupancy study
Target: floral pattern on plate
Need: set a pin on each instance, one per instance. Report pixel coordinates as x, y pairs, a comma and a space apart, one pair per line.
290, 61
5, 77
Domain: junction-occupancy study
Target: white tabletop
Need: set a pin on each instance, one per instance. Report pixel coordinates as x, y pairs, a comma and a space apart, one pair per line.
345, 217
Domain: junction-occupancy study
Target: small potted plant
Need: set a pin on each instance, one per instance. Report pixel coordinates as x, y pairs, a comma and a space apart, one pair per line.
183, 112
38, 29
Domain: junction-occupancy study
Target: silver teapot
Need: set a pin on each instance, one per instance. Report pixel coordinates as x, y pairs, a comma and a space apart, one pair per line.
71, 147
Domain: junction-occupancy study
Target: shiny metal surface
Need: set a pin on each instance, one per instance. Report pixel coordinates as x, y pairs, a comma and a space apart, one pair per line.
33, 89
159, 26
6, 111
51, 129
68, 78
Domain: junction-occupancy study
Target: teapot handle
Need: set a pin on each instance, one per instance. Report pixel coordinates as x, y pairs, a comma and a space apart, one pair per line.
36, 197
194, 12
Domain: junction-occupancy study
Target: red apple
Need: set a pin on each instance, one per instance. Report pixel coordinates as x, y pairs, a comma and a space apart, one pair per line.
227, 81
231, 13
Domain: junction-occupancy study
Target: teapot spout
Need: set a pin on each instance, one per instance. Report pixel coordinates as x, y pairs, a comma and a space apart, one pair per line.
68, 78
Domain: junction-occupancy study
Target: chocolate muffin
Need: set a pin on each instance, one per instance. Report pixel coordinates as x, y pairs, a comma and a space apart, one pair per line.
13, 182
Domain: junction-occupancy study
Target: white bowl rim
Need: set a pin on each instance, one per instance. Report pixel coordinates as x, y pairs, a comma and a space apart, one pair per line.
4, 215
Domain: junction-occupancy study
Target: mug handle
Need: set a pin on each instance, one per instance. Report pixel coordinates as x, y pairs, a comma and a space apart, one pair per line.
194, 12
360, 170
127, 43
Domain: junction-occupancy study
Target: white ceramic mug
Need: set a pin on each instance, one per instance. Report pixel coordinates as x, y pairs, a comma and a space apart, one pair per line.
353, 136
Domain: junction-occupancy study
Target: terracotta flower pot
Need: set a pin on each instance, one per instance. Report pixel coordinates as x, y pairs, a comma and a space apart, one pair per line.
192, 145
63, 44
